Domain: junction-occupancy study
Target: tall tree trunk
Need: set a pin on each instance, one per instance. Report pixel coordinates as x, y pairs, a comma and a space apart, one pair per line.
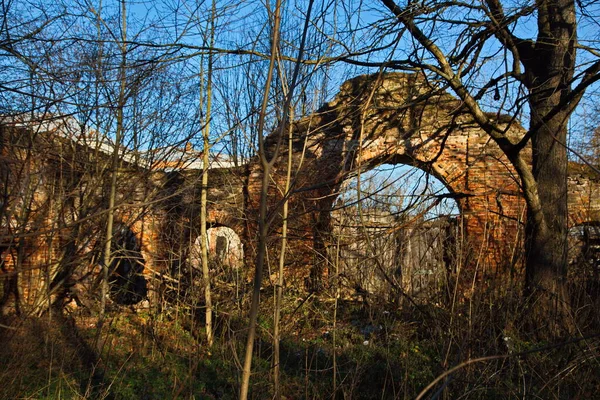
204, 192
280, 281
262, 219
549, 74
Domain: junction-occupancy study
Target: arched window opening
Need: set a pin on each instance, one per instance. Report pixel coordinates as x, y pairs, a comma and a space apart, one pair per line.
225, 257
224, 249
127, 282
395, 229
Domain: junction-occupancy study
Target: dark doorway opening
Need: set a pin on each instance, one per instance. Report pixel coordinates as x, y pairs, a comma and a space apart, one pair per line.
127, 283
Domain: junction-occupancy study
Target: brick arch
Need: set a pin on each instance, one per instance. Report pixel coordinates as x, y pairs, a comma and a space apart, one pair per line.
401, 119
451, 190
435, 169
215, 230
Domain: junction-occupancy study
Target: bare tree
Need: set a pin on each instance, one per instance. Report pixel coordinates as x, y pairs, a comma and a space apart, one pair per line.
262, 219
546, 79
204, 192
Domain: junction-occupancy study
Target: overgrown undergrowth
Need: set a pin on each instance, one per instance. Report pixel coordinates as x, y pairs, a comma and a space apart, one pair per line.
382, 351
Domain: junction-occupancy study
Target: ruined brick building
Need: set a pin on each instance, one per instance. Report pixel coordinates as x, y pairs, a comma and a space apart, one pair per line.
54, 193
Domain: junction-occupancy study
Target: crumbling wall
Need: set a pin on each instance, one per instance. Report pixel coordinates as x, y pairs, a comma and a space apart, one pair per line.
390, 118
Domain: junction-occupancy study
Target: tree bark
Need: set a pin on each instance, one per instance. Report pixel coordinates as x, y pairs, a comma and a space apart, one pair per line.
549, 73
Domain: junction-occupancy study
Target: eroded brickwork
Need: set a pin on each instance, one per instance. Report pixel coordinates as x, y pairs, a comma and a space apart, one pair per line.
54, 203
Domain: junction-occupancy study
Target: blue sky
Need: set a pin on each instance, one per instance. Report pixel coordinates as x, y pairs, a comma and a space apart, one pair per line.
170, 111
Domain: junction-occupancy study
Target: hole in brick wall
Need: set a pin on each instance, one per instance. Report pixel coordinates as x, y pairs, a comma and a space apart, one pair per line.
395, 222
224, 248
225, 259
127, 282
399, 190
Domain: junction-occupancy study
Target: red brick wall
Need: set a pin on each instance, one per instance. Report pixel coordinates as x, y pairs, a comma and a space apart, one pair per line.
365, 125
